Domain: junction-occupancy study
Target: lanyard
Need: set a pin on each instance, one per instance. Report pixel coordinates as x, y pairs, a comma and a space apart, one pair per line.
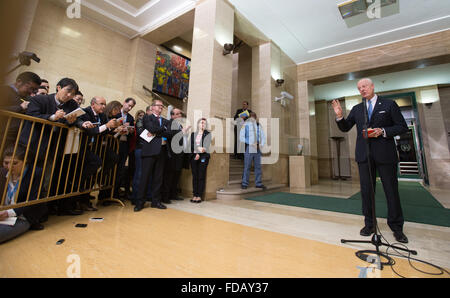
12, 191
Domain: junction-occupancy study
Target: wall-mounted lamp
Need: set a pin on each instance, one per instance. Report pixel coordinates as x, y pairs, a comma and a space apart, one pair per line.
227, 48
429, 104
279, 82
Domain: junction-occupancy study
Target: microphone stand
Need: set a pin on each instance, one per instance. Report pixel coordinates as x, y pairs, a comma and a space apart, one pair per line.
376, 238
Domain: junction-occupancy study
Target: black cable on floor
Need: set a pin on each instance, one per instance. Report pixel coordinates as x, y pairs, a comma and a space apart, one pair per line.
442, 270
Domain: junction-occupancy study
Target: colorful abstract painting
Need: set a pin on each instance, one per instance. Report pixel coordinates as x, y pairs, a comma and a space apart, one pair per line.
171, 74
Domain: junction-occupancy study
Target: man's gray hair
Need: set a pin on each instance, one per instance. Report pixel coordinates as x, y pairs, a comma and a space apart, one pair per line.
366, 79
154, 102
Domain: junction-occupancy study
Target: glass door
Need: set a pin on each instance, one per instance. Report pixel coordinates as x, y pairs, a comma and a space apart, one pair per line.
409, 166
412, 163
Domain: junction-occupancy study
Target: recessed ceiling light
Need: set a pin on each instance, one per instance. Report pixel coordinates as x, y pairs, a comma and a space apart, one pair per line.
177, 48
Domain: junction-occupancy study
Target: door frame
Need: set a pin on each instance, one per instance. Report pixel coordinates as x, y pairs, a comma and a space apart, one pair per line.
420, 153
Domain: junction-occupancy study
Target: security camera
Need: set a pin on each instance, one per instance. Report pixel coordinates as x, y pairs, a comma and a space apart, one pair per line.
25, 58
287, 95
283, 100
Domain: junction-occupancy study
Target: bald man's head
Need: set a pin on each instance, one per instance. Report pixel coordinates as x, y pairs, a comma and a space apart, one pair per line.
98, 104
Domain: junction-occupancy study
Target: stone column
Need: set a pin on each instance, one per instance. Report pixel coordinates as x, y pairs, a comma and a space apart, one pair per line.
307, 125
262, 93
17, 18
210, 85
140, 72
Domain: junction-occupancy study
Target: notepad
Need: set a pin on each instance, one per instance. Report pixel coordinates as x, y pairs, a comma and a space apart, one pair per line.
78, 112
145, 136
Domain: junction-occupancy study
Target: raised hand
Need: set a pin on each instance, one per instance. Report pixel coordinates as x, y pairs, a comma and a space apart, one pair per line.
337, 108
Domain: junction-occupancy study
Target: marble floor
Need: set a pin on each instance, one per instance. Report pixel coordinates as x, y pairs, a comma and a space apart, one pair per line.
431, 242
235, 238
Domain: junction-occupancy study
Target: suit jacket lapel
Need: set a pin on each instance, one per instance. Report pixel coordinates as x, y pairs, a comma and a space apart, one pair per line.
376, 109
52, 104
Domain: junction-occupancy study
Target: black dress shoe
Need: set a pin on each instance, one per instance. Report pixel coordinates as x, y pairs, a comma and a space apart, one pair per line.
138, 207
167, 202
158, 205
36, 227
400, 237
366, 231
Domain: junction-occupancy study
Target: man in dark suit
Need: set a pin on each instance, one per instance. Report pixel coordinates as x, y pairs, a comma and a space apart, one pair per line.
52, 107
172, 170
15, 98
384, 121
94, 123
154, 156
124, 174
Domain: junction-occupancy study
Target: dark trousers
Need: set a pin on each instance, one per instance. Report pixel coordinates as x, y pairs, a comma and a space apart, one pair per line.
152, 169
198, 177
137, 178
171, 178
122, 178
388, 175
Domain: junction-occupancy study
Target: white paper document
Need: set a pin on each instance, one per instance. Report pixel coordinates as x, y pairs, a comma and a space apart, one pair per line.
10, 221
145, 136
72, 141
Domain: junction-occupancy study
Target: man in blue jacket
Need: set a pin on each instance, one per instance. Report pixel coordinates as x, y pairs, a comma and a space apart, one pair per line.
253, 136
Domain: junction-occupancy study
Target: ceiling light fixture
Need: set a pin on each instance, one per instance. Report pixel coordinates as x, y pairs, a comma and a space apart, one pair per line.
279, 82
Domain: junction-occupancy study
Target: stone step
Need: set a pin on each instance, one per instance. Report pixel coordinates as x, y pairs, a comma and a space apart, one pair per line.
238, 180
236, 168
236, 161
239, 173
234, 192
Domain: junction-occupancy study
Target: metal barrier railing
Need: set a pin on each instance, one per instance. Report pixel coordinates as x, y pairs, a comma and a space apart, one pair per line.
59, 161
